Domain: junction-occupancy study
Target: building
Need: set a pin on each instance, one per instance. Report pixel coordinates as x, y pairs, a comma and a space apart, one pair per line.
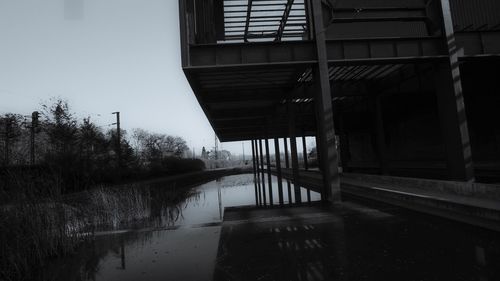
410, 87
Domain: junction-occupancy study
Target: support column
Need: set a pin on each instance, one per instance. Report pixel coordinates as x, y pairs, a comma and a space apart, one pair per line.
324, 111
269, 176
255, 175
257, 161
304, 152
452, 108
263, 178
318, 154
278, 169
293, 147
287, 165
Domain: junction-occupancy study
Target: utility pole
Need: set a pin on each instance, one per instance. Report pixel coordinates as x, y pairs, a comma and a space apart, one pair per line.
34, 125
118, 136
216, 148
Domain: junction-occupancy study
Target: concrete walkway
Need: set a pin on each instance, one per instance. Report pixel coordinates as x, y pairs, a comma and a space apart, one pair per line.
473, 203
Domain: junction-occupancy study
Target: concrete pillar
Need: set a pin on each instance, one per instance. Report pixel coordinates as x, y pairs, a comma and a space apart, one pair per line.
293, 148
269, 175
324, 112
255, 174
454, 127
278, 169
287, 165
263, 178
452, 108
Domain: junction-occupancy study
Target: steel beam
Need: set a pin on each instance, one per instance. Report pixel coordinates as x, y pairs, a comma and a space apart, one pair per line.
183, 25
239, 55
247, 20
284, 19
339, 51
452, 107
323, 101
295, 159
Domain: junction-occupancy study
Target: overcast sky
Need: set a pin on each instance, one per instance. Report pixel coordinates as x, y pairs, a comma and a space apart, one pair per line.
101, 56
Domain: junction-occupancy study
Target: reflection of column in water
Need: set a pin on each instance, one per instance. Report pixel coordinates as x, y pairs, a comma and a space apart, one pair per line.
123, 253
339, 244
219, 193
481, 263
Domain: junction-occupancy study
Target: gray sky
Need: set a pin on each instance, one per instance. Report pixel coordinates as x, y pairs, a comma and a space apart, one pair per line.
101, 56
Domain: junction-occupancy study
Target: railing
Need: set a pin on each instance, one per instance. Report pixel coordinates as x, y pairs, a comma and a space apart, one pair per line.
237, 21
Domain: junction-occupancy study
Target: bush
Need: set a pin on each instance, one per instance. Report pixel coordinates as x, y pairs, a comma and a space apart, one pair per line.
175, 165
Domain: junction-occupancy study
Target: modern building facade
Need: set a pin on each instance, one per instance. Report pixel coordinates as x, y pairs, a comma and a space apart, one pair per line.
406, 87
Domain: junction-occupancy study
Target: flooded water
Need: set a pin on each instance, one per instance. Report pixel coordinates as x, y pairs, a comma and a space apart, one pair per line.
360, 241
178, 243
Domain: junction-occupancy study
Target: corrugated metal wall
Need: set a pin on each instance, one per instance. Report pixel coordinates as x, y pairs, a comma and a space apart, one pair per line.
475, 14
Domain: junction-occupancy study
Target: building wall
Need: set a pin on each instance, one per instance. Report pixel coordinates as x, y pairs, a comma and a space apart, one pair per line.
482, 103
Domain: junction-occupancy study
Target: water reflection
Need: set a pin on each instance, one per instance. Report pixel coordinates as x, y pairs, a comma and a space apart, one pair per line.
178, 239
353, 242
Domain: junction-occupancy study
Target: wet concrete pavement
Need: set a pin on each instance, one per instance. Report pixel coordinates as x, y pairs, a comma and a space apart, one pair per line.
352, 242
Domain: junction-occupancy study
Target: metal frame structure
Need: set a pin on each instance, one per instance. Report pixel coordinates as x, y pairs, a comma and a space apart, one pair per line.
268, 63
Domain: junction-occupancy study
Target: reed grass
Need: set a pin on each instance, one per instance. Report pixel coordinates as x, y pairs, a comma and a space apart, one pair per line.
38, 222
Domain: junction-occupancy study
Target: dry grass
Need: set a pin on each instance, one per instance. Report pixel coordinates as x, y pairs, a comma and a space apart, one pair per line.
37, 223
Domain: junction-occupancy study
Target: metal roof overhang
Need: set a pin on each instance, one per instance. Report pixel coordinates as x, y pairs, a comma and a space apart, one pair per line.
242, 87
